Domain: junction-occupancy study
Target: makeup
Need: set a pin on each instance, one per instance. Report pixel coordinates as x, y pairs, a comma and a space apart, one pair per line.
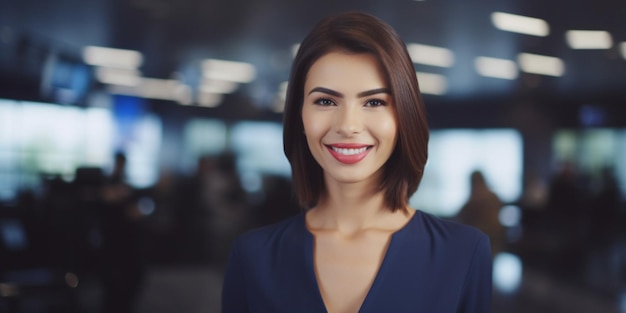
348, 153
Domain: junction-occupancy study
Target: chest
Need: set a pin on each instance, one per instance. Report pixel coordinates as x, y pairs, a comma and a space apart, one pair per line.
312, 276
346, 269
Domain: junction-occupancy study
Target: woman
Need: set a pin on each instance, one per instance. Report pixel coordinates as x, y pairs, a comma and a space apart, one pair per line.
356, 135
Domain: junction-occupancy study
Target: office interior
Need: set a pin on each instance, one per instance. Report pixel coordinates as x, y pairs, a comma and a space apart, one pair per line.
139, 138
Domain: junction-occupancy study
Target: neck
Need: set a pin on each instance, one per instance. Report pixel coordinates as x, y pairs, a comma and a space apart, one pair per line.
350, 207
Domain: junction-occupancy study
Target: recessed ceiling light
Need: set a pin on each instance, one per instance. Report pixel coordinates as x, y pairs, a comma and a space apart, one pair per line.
497, 68
228, 70
155, 88
430, 55
588, 39
520, 24
111, 57
294, 49
433, 84
279, 103
218, 86
541, 64
209, 100
118, 76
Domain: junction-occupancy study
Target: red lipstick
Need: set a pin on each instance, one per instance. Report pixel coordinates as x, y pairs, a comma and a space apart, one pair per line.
348, 153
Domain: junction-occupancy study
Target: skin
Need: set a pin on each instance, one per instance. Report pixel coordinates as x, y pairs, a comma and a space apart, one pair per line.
347, 102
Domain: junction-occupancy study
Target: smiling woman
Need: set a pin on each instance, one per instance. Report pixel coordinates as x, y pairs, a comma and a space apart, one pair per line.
356, 136
350, 121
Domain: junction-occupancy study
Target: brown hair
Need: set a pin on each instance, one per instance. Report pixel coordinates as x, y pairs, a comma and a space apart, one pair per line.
356, 32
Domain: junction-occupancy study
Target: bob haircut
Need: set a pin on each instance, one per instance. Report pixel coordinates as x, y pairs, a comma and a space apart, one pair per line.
356, 32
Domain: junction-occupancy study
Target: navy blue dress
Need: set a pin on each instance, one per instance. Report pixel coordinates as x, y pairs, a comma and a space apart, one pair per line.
431, 266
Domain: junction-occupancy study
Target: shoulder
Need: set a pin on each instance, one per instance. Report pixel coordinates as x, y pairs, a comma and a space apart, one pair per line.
449, 229
264, 233
270, 236
455, 236
464, 253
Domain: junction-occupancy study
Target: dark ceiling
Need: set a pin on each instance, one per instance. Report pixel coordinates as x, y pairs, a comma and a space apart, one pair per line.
174, 35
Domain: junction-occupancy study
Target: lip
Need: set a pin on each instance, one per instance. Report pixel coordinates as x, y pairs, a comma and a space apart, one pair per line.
353, 158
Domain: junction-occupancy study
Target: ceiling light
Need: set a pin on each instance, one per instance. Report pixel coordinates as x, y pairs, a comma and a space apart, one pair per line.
118, 76
183, 94
209, 100
430, 83
110, 57
153, 88
218, 86
588, 39
497, 68
623, 48
430, 55
541, 64
520, 24
228, 70
279, 104
294, 49
282, 91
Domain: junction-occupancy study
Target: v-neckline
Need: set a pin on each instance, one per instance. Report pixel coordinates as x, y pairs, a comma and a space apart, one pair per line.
310, 263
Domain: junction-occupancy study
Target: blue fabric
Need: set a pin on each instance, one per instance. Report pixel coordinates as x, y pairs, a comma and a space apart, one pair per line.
431, 266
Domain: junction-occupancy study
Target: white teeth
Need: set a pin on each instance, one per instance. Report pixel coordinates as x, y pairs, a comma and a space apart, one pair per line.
346, 151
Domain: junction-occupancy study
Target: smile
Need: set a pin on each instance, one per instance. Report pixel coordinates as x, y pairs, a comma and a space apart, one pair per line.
348, 154
347, 151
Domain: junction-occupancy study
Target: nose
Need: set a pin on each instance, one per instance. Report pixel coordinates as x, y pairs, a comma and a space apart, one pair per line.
348, 120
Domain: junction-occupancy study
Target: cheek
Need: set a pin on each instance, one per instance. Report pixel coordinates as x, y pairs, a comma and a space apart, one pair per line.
313, 132
312, 126
388, 131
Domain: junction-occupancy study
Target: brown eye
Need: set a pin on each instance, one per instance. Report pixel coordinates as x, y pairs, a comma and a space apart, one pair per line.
375, 103
324, 102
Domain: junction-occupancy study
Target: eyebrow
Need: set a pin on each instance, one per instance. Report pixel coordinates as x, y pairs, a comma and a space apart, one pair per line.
360, 94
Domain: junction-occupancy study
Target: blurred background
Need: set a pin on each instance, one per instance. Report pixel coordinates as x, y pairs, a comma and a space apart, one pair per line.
138, 138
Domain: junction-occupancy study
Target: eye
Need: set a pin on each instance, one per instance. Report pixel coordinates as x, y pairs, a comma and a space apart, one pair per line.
375, 103
324, 102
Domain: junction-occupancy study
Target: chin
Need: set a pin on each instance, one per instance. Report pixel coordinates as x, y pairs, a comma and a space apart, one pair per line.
351, 177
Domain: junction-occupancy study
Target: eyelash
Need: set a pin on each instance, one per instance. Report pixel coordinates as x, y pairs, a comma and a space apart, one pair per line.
324, 102
380, 103
369, 103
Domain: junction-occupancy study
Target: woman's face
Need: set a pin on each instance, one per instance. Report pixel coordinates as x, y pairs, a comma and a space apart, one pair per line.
348, 117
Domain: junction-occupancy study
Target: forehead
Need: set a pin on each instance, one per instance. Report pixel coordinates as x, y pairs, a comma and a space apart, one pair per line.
350, 71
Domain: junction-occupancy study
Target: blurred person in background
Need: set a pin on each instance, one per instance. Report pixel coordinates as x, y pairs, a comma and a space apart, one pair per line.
605, 210
356, 135
482, 211
122, 267
228, 201
194, 212
278, 203
211, 210
605, 260
564, 224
